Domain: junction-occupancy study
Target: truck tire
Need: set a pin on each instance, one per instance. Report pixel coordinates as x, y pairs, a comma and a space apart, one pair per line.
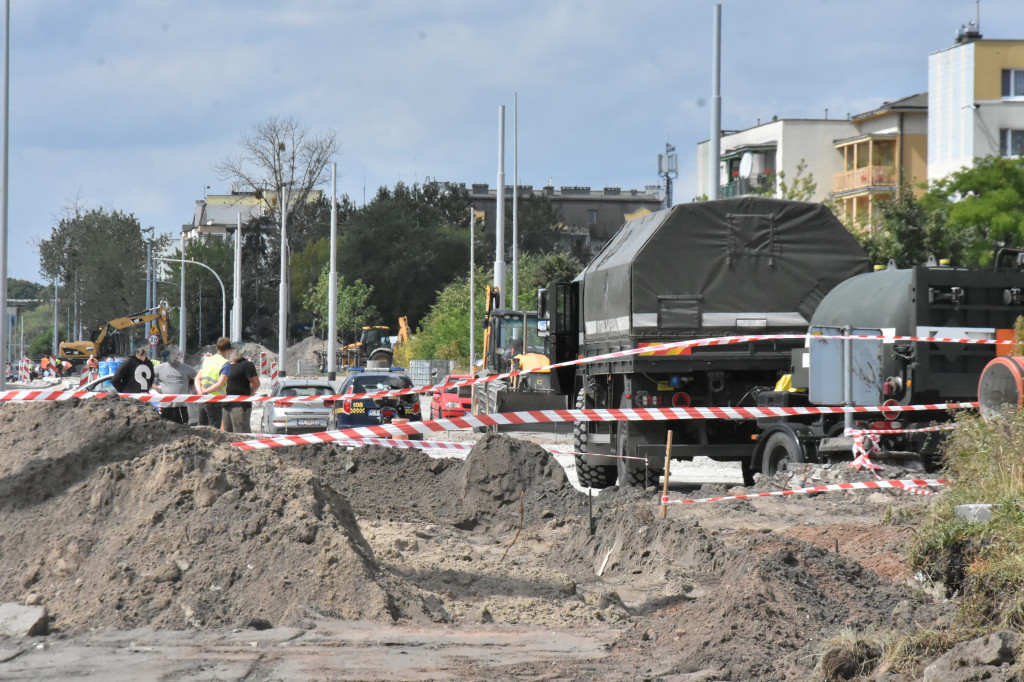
590, 475
631, 472
781, 452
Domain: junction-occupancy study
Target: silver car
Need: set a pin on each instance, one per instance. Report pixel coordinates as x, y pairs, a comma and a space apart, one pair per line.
300, 416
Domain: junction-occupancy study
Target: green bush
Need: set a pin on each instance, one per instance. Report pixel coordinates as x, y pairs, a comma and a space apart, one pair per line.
983, 562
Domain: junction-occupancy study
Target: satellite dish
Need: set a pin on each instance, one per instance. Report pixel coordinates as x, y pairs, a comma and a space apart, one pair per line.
746, 164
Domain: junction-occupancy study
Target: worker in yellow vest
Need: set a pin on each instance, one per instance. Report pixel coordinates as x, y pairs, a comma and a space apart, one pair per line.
211, 380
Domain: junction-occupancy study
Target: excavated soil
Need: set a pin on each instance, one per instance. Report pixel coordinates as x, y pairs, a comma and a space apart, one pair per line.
114, 519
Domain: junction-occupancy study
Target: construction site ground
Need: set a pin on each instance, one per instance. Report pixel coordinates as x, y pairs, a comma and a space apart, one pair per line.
161, 552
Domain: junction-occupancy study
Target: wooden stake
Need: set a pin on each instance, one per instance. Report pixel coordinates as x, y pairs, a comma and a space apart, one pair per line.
664, 487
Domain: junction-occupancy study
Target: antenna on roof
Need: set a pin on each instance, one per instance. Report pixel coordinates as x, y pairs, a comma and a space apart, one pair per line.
971, 30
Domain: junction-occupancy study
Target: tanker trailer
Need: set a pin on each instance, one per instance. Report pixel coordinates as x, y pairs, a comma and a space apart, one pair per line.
735, 267
930, 301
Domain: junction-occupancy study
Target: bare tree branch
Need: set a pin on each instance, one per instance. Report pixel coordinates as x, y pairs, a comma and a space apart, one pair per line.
281, 153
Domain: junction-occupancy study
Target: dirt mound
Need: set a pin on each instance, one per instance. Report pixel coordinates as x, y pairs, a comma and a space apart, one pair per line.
170, 527
715, 600
251, 349
404, 484
500, 471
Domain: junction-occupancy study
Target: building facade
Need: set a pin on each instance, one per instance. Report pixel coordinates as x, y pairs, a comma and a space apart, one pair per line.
975, 103
752, 158
889, 152
589, 217
216, 215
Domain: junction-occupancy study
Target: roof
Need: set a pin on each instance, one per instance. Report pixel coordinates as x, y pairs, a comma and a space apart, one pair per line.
918, 102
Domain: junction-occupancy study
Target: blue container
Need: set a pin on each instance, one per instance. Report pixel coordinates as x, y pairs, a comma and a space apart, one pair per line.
108, 367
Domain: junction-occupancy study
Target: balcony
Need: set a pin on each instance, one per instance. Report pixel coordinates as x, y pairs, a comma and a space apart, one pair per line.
862, 178
757, 184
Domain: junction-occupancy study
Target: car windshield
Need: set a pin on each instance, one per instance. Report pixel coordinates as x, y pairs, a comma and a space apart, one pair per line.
303, 391
372, 384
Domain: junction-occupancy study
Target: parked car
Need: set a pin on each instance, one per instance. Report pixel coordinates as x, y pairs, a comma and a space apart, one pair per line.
99, 385
298, 417
454, 401
369, 412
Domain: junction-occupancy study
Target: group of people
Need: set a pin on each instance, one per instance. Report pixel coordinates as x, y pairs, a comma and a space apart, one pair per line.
50, 366
226, 372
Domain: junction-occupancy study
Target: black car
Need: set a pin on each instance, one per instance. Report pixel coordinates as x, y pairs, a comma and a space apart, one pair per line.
369, 412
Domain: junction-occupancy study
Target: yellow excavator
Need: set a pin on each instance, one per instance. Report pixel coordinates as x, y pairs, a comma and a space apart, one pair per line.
376, 346
511, 343
109, 338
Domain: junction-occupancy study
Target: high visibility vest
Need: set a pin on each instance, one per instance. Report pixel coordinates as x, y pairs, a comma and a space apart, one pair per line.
210, 373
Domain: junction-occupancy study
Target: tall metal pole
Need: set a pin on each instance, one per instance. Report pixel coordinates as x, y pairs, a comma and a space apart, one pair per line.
181, 305
236, 306
282, 298
472, 296
223, 292
515, 201
715, 147
499, 219
149, 273
3, 184
54, 315
332, 283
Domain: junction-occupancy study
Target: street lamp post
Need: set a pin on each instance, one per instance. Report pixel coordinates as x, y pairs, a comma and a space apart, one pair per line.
236, 308
223, 294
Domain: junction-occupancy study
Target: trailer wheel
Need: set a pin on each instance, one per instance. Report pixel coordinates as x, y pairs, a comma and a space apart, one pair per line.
781, 452
590, 475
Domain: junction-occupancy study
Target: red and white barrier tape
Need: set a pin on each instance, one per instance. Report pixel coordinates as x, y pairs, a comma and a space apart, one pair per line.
905, 485
318, 438
648, 350
562, 416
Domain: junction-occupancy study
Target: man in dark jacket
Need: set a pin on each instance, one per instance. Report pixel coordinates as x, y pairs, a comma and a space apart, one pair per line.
243, 379
135, 374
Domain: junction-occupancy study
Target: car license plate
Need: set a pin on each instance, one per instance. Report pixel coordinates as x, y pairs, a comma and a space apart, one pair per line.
310, 422
373, 413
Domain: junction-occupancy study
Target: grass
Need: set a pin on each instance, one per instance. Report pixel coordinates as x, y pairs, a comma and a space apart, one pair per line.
981, 562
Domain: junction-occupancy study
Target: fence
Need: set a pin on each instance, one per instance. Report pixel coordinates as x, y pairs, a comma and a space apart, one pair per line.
429, 372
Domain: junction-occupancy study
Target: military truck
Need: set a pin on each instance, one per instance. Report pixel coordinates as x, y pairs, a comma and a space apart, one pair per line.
746, 266
755, 266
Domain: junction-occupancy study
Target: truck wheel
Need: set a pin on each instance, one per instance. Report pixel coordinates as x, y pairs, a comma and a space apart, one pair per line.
630, 471
781, 452
590, 475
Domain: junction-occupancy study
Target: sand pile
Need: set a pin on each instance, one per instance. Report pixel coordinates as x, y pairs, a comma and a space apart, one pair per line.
117, 519
484, 490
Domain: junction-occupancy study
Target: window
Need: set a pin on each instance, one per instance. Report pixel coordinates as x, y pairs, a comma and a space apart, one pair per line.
1011, 142
1013, 82
592, 216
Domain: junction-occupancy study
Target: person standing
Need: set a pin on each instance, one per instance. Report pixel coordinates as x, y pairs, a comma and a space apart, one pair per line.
243, 379
211, 380
135, 373
175, 377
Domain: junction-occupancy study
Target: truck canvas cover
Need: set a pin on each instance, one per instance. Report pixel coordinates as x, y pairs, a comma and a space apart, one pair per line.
717, 267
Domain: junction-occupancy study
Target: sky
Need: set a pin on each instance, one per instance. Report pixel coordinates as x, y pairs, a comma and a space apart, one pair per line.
129, 104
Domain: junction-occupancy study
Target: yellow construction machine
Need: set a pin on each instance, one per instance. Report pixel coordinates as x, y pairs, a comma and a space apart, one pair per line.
511, 343
110, 337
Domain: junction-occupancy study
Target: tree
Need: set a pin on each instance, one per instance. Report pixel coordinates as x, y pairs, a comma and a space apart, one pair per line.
908, 233
353, 307
802, 188
980, 208
281, 153
539, 228
407, 244
99, 257
444, 333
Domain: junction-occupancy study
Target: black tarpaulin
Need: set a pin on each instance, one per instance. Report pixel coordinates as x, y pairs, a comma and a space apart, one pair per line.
736, 265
